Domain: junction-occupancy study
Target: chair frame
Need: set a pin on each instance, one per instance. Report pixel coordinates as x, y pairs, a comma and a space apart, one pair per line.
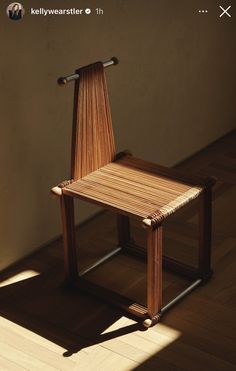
152, 313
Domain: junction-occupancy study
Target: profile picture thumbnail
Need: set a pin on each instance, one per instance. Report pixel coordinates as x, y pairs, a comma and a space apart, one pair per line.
15, 11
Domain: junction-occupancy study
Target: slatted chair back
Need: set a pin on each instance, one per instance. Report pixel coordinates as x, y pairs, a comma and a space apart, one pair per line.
92, 135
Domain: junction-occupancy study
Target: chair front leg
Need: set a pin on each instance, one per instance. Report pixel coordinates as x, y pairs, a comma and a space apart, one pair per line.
154, 274
68, 226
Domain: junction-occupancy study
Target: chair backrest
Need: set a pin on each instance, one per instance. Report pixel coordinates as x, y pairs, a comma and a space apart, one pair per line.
92, 136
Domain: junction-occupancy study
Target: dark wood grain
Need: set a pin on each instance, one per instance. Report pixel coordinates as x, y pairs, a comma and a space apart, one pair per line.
70, 256
154, 270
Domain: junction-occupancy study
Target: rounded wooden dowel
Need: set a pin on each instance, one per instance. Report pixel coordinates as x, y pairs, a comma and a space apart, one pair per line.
57, 191
61, 81
147, 323
115, 60
147, 223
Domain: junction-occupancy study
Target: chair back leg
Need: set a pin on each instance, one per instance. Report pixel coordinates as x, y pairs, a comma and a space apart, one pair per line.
205, 231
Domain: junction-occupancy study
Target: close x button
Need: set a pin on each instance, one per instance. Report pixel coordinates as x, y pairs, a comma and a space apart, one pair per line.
225, 11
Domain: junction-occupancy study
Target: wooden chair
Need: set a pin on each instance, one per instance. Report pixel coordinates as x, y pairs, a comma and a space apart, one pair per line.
131, 188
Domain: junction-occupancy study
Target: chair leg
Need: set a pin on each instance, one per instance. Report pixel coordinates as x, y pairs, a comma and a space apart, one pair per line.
123, 226
154, 275
70, 256
205, 226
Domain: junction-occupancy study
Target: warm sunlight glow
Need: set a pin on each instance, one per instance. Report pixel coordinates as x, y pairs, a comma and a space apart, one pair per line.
9, 327
24, 275
144, 343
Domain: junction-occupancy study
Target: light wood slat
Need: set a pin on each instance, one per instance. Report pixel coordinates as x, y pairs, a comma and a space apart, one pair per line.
104, 359
119, 171
13, 354
8, 365
26, 346
135, 191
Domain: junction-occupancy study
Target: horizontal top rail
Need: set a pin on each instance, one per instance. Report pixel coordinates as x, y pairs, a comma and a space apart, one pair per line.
64, 80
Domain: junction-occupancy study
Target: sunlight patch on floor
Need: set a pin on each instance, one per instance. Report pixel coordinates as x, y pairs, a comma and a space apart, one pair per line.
24, 275
24, 333
143, 343
125, 350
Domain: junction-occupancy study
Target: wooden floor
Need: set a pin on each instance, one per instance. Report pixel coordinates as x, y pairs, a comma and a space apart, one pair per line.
44, 326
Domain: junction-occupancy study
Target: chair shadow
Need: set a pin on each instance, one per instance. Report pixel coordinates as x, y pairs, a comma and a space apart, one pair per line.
67, 317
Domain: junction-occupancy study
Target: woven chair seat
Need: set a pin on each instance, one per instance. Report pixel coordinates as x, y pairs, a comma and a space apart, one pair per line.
134, 187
